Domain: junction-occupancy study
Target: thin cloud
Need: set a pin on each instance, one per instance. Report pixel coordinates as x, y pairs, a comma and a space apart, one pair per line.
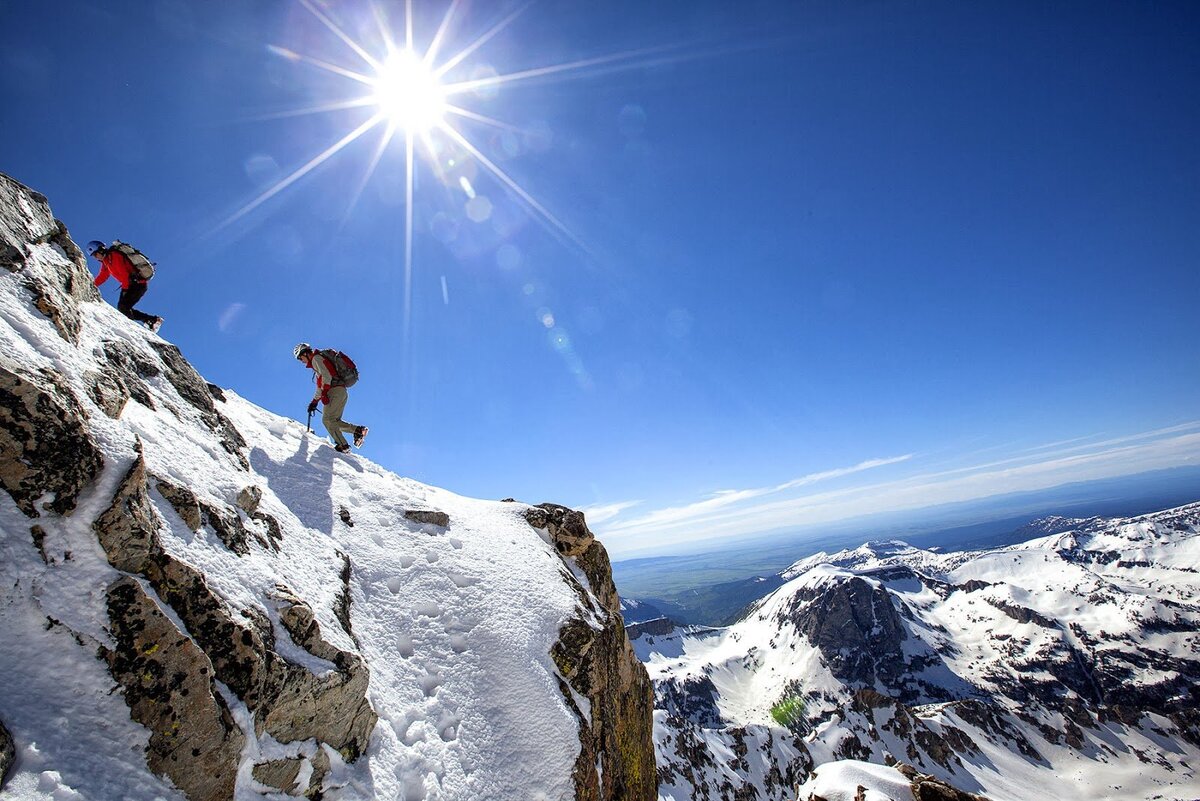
1117, 456
700, 509
606, 511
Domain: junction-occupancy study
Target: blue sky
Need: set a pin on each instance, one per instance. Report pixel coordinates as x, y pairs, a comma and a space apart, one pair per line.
797, 261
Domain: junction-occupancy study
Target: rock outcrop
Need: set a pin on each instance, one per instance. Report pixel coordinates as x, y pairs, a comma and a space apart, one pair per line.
593, 654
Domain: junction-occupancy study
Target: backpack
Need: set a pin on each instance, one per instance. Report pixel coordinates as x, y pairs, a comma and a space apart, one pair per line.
346, 373
143, 268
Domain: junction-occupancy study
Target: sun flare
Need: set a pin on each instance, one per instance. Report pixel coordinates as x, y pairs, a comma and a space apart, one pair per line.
408, 94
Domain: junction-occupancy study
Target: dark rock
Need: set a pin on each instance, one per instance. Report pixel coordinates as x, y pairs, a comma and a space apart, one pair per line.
857, 629
430, 517
168, 684
45, 447
216, 392
344, 516
692, 698
194, 389
183, 501
928, 788
567, 527
341, 604
598, 663
39, 541
658, 627
249, 498
8, 754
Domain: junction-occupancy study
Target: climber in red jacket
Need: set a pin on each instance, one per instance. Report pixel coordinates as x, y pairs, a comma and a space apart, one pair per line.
115, 263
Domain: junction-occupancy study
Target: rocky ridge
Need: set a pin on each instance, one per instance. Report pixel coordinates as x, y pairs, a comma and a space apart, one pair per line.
177, 551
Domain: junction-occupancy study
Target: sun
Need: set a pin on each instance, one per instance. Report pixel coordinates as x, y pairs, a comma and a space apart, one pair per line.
408, 93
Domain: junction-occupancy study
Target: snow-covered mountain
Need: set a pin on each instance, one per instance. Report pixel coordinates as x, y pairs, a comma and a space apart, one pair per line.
200, 600
1067, 666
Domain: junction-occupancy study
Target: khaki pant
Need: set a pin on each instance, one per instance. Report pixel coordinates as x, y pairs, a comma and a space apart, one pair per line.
332, 416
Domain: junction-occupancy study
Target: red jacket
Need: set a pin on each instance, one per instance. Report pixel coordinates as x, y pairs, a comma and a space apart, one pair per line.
118, 266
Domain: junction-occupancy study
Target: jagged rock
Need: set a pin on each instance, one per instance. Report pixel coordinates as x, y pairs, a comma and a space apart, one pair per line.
45, 447
332, 707
168, 684
249, 499
183, 501
928, 788
430, 517
290, 702
56, 292
194, 389
344, 516
597, 661
216, 392
567, 527
108, 392
341, 604
8, 754
279, 773
692, 698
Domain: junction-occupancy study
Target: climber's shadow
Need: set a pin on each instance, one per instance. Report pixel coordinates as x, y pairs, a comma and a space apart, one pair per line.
304, 481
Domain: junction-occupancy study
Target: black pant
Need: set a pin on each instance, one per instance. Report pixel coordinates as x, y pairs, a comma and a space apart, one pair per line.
131, 295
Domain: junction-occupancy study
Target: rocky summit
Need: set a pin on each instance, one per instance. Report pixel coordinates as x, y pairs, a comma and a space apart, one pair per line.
200, 600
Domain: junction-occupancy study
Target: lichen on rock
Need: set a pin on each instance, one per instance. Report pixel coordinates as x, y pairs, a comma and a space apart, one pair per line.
45, 446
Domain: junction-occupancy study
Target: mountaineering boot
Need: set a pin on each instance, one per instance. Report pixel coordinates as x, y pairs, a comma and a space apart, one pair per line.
360, 434
341, 448
156, 324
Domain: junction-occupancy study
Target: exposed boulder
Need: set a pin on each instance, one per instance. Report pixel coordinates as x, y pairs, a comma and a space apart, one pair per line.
46, 451
168, 685
430, 517
596, 660
567, 527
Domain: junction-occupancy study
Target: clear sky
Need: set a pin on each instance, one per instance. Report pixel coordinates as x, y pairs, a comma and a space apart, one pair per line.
750, 265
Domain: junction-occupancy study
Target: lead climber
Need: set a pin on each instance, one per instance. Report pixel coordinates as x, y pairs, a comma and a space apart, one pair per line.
334, 372
133, 274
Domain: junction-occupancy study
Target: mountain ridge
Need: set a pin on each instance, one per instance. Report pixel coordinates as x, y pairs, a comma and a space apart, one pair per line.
201, 600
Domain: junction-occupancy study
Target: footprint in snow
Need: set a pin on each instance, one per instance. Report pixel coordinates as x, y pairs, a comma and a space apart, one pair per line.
428, 609
456, 543
432, 556
404, 645
458, 643
461, 581
393, 584
430, 683
447, 726
407, 561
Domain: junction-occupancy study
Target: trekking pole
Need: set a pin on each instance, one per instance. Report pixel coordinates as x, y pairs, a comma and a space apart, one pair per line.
308, 425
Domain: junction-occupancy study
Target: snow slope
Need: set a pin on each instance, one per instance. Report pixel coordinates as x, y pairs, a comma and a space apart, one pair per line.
455, 622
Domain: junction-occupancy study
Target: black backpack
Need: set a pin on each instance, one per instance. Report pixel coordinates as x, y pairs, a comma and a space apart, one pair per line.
143, 268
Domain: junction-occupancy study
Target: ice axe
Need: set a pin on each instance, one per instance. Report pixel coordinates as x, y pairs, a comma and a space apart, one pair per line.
308, 424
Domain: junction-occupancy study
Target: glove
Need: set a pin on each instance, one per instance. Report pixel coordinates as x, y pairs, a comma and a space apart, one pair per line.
312, 406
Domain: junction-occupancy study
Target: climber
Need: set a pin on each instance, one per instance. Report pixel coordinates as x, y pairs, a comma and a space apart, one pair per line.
133, 274
333, 372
